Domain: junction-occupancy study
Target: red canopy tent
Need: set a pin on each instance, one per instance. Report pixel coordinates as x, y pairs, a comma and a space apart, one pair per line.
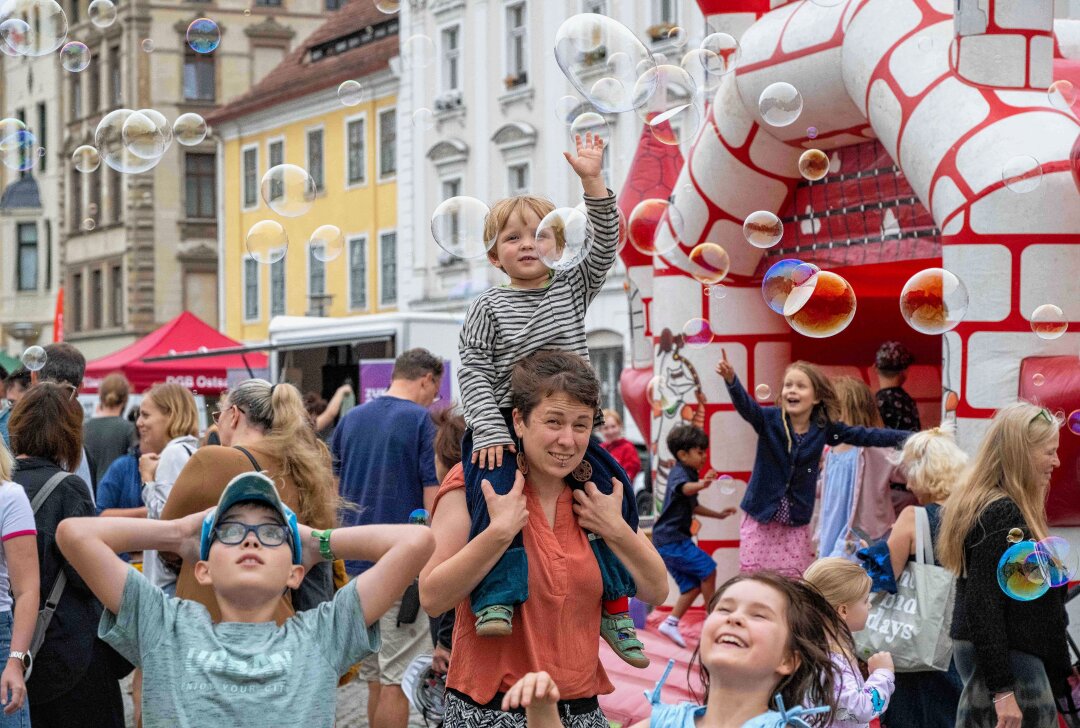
185, 333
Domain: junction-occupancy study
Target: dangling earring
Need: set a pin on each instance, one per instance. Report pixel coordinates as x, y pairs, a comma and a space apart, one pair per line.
522, 463
583, 472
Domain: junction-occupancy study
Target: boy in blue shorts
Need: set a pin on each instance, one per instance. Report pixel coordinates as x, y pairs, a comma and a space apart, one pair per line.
694, 570
245, 671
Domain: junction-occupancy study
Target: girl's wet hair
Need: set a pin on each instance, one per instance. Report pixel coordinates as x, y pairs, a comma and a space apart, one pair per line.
813, 625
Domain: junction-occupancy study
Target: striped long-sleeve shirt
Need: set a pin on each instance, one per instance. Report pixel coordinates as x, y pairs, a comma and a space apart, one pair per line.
504, 325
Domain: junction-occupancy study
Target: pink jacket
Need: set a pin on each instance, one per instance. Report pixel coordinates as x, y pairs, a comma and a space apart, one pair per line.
873, 511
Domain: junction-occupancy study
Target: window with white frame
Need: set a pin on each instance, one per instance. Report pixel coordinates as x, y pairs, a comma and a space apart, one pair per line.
451, 187
451, 58
356, 155
27, 261
666, 11
315, 158
517, 180
387, 143
251, 177
358, 272
251, 289
388, 269
275, 155
316, 274
516, 48
277, 287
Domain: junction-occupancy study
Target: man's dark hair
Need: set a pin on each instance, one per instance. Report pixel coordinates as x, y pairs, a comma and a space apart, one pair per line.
415, 363
65, 363
20, 376
686, 437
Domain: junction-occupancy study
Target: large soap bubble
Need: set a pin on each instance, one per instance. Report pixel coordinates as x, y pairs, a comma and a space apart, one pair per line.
458, 227
18, 151
74, 56
288, 190
147, 134
34, 358
109, 140
327, 243
782, 278
32, 27
203, 35
189, 129
102, 13
86, 158
762, 229
1023, 572
644, 225
591, 47
711, 263
668, 101
933, 301
564, 238
822, 307
267, 241
1048, 322
780, 104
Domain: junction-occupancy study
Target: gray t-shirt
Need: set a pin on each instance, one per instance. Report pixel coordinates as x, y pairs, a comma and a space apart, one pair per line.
196, 673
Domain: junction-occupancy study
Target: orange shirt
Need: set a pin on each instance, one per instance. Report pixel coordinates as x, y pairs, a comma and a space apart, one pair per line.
557, 629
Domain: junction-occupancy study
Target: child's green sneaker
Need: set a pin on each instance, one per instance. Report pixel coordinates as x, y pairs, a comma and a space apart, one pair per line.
494, 621
618, 631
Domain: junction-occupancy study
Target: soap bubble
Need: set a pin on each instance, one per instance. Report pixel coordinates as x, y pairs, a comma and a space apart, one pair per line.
109, 140
147, 134
933, 301
697, 333
813, 164
267, 241
88, 224
1062, 94
1022, 173
823, 311
1015, 535
189, 129
590, 45
1048, 322
763, 392
388, 6
609, 92
86, 158
288, 190
423, 118
712, 263
419, 517
783, 277
726, 484
566, 109
350, 93
659, 393
623, 232
718, 291
762, 229
702, 67
203, 35
417, 51
327, 243
590, 122
18, 151
644, 222
726, 51
32, 27
1061, 560
1038, 379
1074, 422
811, 132
74, 56
34, 358
666, 99
780, 104
1022, 572
563, 238
458, 227
677, 36
102, 13
147, 45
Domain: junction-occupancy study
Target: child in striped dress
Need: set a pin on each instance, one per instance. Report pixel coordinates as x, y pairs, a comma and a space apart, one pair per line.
540, 310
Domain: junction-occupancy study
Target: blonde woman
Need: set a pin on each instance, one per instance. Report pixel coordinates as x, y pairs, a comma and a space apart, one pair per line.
1012, 655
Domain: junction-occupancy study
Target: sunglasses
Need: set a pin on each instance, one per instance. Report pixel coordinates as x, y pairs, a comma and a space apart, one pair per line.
1044, 414
217, 415
232, 533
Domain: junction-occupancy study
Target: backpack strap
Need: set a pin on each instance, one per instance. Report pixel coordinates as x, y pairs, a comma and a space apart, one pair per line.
45, 616
250, 457
46, 490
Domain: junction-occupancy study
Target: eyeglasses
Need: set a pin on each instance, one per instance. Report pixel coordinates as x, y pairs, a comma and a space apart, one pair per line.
234, 532
217, 415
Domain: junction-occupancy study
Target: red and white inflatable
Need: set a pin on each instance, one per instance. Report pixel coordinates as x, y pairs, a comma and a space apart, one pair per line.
920, 109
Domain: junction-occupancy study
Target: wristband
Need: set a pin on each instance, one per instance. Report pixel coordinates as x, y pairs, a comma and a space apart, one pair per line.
1006, 695
323, 538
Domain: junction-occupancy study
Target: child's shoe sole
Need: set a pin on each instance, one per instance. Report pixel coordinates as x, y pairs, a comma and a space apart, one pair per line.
495, 621
628, 647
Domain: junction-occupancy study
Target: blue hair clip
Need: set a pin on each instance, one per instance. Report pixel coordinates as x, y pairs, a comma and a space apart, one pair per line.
794, 717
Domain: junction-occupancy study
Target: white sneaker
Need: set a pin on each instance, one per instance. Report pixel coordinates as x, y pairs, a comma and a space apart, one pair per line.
671, 631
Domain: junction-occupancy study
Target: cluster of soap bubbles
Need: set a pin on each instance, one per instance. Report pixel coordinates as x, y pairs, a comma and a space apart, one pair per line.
1029, 569
815, 303
133, 141
289, 191
18, 146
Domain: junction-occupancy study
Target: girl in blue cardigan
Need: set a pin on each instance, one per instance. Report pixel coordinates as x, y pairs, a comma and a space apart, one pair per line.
775, 529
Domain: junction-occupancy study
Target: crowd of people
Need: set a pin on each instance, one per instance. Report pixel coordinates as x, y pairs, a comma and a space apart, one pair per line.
244, 575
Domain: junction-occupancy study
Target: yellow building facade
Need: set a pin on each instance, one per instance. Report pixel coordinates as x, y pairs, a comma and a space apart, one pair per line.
346, 140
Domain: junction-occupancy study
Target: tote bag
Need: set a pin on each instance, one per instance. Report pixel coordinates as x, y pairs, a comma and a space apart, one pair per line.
913, 624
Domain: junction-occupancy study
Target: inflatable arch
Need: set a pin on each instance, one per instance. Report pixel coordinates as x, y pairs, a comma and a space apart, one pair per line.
919, 104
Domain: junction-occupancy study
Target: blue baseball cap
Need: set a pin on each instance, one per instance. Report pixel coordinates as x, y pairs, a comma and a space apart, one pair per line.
250, 488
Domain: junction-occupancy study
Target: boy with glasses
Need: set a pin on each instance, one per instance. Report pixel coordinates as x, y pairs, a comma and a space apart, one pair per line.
245, 670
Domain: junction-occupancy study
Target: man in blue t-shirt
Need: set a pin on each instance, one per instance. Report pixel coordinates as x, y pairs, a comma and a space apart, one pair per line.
694, 570
385, 462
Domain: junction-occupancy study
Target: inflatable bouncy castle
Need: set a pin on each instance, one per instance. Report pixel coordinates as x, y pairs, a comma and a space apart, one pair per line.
944, 149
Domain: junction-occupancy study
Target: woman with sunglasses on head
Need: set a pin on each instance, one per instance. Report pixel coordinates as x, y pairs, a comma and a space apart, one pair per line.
1011, 654
73, 682
262, 427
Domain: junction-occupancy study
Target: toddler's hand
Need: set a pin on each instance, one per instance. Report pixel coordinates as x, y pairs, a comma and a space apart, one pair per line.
534, 690
724, 368
590, 154
880, 660
490, 458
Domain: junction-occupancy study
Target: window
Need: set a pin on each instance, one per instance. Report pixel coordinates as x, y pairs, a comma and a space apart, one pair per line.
277, 287
388, 269
42, 135
332, 4
48, 255
97, 294
387, 143
27, 263
76, 97
358, 273
666, 11
518, 180
451, 58
93, 91
199, 185
251, 177
116, 192
76, 302
199, 76
608, 363
275, 153
594, 6
355, 153
268, 3
116, 94
73, 14
76, 201
516, 50
93, 191
116, 309
317, 298
251, 289
315, 158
